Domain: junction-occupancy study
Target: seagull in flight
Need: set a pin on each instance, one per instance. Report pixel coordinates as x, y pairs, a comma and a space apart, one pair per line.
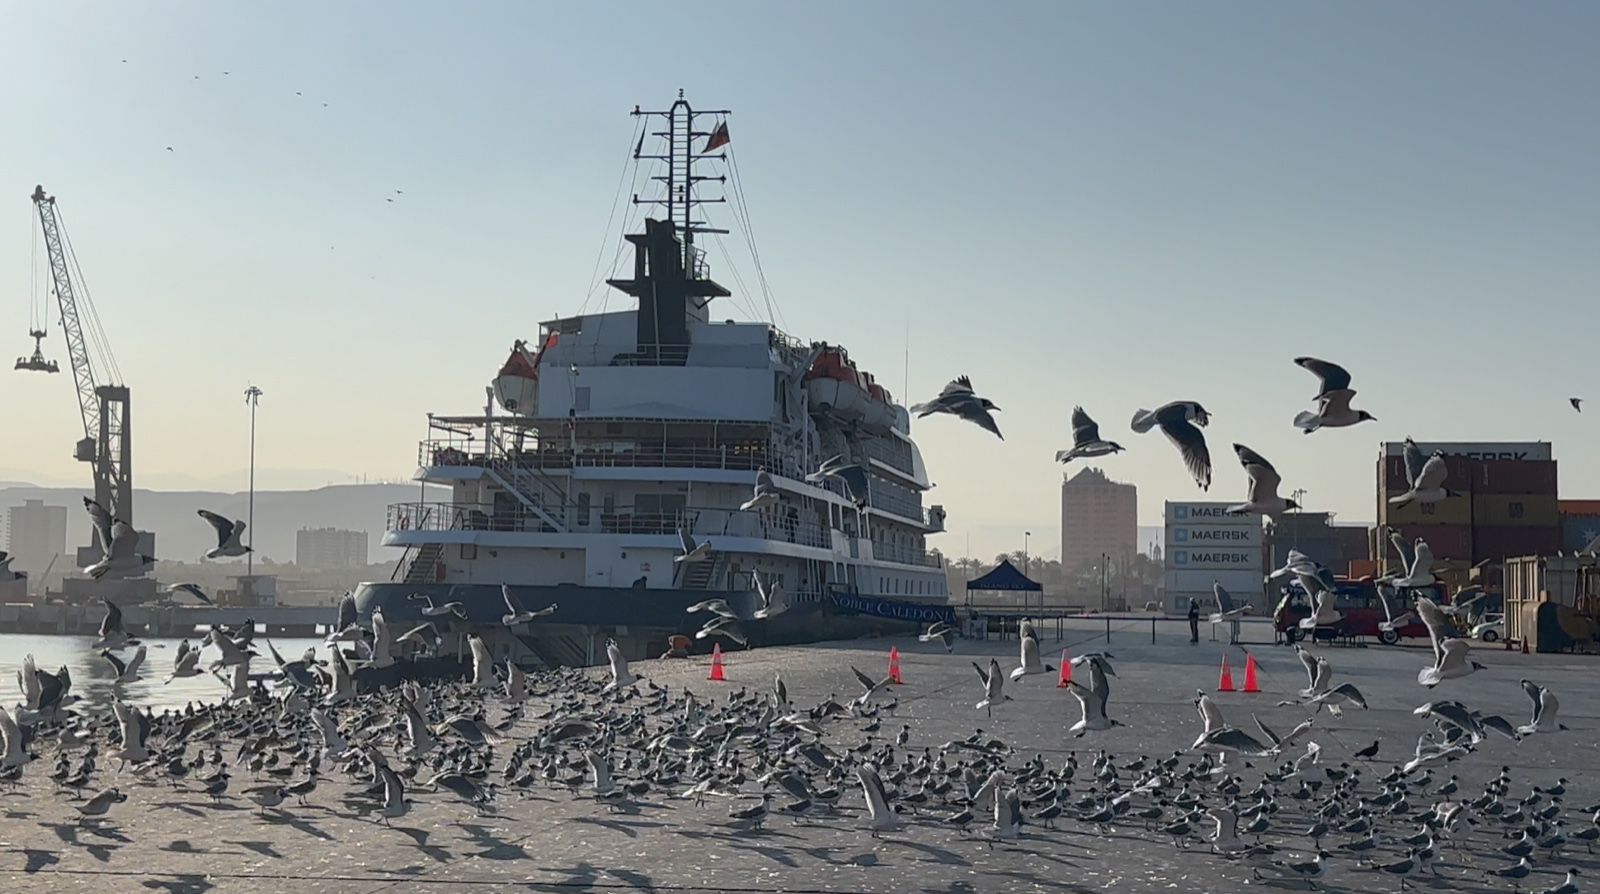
1424, 478
766, 493
959, 400
1262, 497
1178, 421
228, 532
692, 552
1086, 440
515, 614
1333, 398
1545, 705
1450, 653
851, 474
1577, 403
941, 632
1419, 568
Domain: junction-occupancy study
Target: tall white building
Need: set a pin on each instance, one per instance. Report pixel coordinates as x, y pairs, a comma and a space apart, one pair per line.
330, 548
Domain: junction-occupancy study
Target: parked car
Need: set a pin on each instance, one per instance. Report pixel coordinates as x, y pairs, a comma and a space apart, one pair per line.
1491, 629
1363, 608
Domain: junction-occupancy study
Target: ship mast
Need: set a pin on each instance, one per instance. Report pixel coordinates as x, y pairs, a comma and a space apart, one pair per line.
682, 183
668, 271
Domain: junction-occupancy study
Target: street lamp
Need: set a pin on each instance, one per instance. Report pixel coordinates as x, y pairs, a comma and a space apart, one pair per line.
252, 395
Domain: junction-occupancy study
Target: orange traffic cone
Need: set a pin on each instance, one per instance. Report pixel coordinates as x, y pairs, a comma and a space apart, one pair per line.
716, 663
1250, 673
894, 665
1066, 671
1226, 683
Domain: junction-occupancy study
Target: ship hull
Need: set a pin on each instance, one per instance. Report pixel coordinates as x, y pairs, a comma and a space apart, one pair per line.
640, 620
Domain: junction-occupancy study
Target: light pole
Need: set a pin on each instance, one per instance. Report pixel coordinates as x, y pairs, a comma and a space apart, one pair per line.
252, 395
1025, 536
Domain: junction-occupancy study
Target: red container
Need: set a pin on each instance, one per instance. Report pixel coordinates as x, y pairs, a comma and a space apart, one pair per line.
1497, 543
1461, 474
1507, 476
1446, 541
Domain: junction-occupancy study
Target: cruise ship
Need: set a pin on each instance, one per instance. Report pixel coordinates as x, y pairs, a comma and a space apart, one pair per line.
613, 442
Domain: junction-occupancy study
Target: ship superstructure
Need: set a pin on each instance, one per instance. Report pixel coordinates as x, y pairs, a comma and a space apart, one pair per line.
617, 433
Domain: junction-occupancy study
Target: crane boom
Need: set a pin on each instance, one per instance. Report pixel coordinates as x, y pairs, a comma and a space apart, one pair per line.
77, 348
107, 433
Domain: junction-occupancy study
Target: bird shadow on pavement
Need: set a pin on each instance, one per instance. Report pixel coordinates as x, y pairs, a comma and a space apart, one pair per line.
633, 879
197, 808
264, 848
580, 877
939, 854
180, 884
629, 829
420, 837
494, 847
299, 825
38, 859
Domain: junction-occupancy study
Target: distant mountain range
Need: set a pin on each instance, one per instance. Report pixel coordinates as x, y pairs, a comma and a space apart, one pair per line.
181, 535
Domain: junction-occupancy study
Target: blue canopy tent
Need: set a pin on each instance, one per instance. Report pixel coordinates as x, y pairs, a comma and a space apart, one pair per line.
1005, 578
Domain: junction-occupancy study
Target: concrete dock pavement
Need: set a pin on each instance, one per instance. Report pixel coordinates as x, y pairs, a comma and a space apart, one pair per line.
548, 839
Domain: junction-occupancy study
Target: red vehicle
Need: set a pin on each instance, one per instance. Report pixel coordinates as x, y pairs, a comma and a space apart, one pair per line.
1363, 608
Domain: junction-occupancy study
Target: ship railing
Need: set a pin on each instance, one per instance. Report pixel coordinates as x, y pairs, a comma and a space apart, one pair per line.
451, 452
702, 523
906, 555
892, 453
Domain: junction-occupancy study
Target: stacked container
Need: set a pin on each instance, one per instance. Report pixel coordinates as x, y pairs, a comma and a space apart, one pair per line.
1506, 507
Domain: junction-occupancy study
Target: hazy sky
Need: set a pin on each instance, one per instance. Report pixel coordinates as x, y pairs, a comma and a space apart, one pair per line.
1107, 204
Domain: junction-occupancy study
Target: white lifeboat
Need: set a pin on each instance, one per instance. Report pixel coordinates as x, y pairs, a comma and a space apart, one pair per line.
516, 386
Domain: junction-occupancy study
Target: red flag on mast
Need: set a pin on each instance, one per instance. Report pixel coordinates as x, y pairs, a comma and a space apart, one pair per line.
719, 138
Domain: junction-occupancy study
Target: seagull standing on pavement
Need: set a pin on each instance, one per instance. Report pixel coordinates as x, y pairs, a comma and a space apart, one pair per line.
1333, 398
1178, 421
1262, 497
1086, 440
959, 400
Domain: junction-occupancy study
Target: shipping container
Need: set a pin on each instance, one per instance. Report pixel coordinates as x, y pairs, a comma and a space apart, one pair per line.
1515, 450
1446, 541
1360, 568
1580, 507
1515, 510
1496, 543
1453, 511
1500, 476
1460, 474
1578, 532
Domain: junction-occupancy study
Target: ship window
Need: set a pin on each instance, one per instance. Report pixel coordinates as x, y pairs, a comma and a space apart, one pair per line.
580, 398
469, 551
583, 509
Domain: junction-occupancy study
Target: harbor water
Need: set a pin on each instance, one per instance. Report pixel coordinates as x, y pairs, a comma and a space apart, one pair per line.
93, 676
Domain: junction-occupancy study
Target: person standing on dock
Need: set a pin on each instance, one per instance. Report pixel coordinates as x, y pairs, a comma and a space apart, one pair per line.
1194, 619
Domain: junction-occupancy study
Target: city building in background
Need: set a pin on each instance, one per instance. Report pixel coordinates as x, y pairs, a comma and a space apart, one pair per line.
1099, 517
330, 548
35, 535
1506, 505
1206, 545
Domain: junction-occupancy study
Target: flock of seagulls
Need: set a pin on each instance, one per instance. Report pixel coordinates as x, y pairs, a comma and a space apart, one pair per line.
1266, 799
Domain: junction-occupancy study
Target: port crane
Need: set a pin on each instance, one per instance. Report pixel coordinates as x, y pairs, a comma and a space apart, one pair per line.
107, 443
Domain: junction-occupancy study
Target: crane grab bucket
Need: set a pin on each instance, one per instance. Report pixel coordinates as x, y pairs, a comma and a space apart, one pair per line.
37, 363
